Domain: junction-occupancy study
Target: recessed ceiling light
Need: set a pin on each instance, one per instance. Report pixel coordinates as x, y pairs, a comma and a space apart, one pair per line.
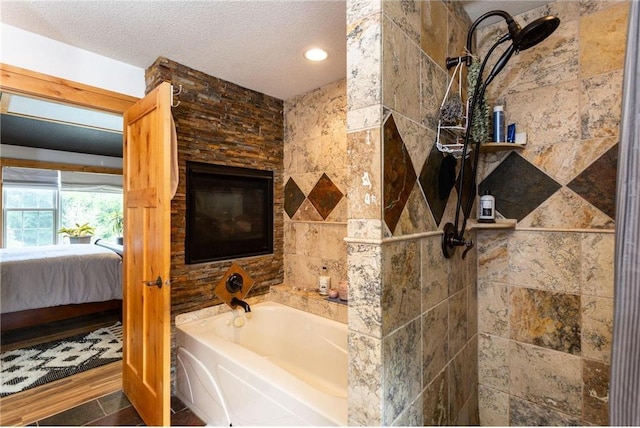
316, 54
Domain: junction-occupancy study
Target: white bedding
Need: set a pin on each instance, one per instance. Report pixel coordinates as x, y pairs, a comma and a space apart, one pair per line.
53, 275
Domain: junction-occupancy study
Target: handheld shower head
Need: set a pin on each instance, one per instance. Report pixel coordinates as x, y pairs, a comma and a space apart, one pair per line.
535, 32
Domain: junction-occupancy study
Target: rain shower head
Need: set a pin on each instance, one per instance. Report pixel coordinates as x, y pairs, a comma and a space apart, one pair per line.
534, 32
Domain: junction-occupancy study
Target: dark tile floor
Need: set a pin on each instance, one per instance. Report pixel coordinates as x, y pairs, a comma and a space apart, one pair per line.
116, 410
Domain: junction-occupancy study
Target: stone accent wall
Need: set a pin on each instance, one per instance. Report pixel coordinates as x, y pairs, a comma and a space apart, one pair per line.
315, 169
222, 123
545, 290
412, 313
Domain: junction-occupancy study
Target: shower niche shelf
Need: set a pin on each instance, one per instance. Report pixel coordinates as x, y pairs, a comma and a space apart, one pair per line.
499, 147
501, 223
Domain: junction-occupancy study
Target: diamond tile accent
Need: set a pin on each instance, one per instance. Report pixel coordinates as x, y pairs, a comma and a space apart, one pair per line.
518, 186
430, 178
468, 188
325, 196
399, 176
293, 197
597, 183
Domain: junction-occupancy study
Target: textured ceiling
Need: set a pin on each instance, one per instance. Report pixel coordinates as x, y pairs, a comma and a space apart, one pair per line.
256, 44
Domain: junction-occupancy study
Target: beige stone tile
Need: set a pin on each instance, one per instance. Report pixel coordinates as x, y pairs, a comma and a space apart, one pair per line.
416, 216
597, 328
401, 71
358, 9
307, 212
554, 61
548, 261
565, 10
364, 60
463, 378
457, 31
468, 415
433, 86
566, 210
493, 309
600, 105
493, 362
434, 31
365, 288
416, 139
364, 229
401, 381
435, 274
548, 114
603, 37
595, 392
590, 6
526, 413
406, 15
412, 415
365, 380
565, 160
436, 401
493, 256
364, 118
365, 187
400, 297
598, 250
545, 318
546, 377
457, 321
435, 334
493, 406
472, 311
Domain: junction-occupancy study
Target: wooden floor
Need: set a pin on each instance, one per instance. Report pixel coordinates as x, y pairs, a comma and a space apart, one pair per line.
34, 404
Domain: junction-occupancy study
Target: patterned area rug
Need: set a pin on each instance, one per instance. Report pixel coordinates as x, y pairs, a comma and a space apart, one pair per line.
26, 368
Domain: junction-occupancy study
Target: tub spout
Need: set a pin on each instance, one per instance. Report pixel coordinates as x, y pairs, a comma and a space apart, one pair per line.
237, 302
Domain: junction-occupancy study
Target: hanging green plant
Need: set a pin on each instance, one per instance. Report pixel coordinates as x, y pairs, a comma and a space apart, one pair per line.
481, 116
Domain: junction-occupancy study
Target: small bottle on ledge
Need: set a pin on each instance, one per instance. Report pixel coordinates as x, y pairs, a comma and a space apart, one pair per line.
487, 211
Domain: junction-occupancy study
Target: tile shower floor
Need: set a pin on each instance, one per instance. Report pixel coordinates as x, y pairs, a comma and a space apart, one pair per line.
115, 410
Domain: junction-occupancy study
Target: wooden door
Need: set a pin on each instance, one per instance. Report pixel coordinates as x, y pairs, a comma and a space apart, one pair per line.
147, 208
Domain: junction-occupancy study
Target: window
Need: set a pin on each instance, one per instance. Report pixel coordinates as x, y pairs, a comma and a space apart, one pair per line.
30, 216
37, 202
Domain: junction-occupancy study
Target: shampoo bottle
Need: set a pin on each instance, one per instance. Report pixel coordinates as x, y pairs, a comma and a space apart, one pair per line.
498, 124
487, 208
324, 282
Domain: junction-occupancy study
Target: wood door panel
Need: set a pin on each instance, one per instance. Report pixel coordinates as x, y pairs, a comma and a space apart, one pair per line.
147, 200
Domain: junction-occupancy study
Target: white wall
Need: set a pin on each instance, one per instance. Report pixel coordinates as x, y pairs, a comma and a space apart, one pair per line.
33, 52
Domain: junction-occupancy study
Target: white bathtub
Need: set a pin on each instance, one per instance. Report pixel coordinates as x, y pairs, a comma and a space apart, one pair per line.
282, 367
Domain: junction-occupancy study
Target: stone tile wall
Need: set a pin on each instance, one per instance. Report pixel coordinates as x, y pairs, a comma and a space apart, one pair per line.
545, 290
412, 313
221, 123
315, 176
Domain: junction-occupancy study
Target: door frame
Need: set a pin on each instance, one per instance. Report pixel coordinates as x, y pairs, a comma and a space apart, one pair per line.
20, 81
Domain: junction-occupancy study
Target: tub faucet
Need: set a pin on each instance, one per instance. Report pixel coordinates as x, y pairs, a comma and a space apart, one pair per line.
235, 302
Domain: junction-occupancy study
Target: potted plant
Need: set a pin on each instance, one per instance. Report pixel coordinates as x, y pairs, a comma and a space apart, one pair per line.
117, 225
80, 234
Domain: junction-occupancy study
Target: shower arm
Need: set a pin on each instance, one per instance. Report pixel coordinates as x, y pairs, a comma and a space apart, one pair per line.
511, 24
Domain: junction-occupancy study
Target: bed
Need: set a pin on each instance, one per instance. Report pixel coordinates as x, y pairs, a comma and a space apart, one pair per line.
55, 282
